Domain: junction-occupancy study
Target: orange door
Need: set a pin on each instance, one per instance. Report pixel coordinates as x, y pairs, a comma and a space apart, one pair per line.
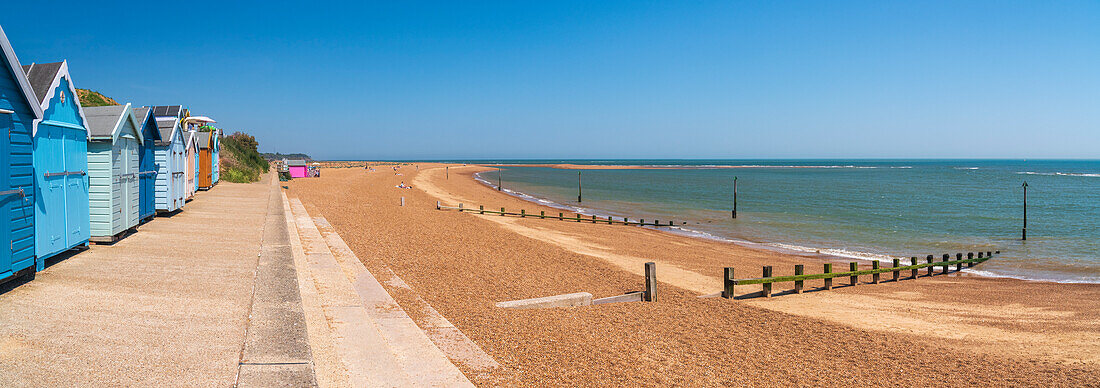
204, 168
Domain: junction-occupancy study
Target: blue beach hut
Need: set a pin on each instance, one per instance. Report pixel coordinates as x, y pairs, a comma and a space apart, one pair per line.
114, 139
60, 162
169, 152
147, 173
18, 113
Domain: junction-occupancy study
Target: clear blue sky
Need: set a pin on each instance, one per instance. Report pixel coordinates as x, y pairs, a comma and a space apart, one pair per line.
600, 79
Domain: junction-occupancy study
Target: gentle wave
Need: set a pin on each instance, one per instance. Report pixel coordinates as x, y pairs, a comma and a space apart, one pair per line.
966, 168
1079, 280
1059, 174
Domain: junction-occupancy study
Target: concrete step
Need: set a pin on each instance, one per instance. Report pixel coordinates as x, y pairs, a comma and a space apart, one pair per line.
359, 344
425, 362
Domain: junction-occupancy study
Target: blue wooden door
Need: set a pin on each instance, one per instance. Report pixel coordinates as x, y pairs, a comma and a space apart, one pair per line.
7, 125
50, 213
76, 187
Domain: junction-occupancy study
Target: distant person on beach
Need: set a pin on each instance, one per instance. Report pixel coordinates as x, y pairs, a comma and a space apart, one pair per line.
403, 186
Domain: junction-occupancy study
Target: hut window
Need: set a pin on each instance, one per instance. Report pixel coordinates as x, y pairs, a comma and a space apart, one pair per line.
62, 97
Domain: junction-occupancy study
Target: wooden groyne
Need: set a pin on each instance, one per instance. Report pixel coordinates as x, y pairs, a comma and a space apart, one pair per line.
827, 275
561, 216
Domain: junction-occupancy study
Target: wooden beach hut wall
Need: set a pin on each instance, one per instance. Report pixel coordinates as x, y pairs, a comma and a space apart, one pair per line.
298, 168
147, 168
114, 139
203, 142
18, 112
169, 153
60, 147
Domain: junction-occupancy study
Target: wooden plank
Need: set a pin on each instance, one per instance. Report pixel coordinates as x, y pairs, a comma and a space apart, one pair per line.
799, 269
897, 273
875, 277
728, 281
828, 276
651, 282
853, 267
766, 288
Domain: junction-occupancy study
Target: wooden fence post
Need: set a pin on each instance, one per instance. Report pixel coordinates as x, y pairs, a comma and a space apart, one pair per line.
874, 276
853, 266
766, 288
828, 281
970, 255
728, 283
522, 213
931, 268
913, 261
897, 274
481, 209
946, 258
578, 217
436, 205
799, 269
542, 214
502, 212
958, 266
651, 282
460, 207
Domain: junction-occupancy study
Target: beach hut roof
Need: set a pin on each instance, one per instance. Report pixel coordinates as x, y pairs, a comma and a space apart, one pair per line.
41, 76
105, 122
202, 140
296, 163
20, 77
168, 128
143, 116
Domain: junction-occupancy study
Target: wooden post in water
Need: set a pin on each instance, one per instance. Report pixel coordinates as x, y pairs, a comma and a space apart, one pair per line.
913, 261
734, 197
1024, 232
828, 281
766, 288
500, 181
946, 258
728, 282
970, 255
897, 273
799, 269
579, 186
651, 282
930, 267
874, 276
448, 172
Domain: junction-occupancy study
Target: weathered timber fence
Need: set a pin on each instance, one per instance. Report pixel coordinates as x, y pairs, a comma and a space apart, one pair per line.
561, 216
799, 278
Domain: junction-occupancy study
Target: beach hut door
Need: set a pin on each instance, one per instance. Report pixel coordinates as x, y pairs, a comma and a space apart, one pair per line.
6, 201
130, 181
53, 189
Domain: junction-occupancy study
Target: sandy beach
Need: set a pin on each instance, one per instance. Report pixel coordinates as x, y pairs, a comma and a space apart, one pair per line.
943, 330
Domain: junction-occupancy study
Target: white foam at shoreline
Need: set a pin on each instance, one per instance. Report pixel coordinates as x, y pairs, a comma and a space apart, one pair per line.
780, 247
1060, 174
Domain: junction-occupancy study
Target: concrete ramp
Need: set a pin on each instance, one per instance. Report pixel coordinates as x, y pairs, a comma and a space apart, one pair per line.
375, 342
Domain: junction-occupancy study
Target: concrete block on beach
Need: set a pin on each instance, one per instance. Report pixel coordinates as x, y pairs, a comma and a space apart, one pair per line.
564, 300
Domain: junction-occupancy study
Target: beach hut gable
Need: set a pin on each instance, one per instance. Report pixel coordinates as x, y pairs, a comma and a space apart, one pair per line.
170, 153
56, 94
60, 146
19, 110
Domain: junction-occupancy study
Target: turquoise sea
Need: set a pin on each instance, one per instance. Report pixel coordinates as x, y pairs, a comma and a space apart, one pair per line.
866, 209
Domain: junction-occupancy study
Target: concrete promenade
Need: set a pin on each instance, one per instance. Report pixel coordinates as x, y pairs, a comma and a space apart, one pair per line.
167, 306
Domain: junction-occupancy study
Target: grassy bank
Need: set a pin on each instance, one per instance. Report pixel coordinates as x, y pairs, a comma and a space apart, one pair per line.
239, 159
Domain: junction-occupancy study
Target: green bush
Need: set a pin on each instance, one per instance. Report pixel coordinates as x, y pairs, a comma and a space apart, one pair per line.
240, 160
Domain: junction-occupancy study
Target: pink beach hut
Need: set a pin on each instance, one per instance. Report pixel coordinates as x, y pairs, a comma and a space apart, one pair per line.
298, 168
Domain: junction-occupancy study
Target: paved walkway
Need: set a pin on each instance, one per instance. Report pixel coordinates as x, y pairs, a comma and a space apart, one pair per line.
167, 306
